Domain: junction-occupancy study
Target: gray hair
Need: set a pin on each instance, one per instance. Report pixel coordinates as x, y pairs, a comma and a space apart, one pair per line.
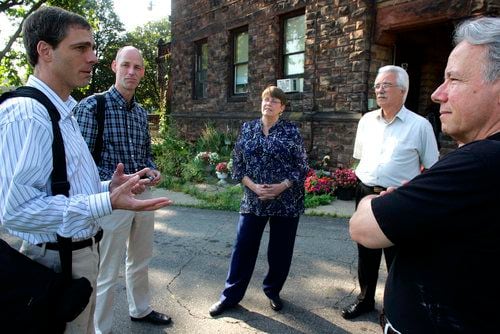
483, 31
402, 79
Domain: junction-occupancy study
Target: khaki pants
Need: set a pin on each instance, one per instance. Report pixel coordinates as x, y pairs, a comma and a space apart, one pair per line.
129, 235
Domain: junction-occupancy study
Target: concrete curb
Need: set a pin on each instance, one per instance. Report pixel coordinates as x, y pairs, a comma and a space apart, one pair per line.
337, 208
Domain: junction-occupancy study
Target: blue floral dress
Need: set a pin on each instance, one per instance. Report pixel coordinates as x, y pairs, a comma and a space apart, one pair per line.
271, 159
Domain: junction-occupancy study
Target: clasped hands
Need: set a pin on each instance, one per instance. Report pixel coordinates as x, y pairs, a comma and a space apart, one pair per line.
124, 187
267, 192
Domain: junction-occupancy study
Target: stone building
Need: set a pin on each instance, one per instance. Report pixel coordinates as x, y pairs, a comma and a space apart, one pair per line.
225, 52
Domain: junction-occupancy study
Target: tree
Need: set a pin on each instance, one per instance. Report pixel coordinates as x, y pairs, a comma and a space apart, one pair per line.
108, 36
99, 13
17, 10
146, 39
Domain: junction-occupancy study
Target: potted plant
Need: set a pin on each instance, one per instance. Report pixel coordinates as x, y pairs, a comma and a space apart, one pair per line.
345, 182
318, 185
207, 160
222, 171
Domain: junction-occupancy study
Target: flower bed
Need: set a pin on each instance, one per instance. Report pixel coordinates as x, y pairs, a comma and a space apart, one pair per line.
209, 158
345, 182
344, 178
318, 185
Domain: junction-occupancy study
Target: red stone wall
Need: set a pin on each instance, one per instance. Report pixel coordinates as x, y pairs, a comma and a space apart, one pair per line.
336, 67
346, 42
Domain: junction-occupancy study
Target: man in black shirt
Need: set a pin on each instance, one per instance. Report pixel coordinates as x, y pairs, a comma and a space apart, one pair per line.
446, 221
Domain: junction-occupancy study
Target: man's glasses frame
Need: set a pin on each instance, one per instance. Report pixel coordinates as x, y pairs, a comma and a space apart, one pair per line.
384, 85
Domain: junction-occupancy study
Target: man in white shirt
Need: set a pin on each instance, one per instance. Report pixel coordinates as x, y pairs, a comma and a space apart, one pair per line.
60, 47
392, 144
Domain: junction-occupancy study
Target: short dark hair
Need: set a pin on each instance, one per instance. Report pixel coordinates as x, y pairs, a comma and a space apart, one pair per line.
275, 92
49, 24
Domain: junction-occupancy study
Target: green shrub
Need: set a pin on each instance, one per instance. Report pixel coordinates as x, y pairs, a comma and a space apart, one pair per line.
170, 153
312, 201
214, 140
192, 172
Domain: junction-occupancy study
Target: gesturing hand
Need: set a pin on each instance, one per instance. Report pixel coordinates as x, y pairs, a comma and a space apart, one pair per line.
122, 197
119, 177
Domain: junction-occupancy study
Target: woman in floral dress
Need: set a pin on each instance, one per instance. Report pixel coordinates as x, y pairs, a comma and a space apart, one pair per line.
270, 161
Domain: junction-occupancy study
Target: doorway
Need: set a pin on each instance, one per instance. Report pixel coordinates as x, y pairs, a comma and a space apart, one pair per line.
423, 53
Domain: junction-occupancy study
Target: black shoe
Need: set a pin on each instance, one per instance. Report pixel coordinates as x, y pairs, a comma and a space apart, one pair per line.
276, 303
154, 317
218, 308
356, 309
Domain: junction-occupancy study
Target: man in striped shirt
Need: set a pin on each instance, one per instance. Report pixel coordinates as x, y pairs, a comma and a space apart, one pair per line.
126, 139
60, 47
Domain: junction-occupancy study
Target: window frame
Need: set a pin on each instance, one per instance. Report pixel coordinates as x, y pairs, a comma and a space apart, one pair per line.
282, 54
198, 62
234, 33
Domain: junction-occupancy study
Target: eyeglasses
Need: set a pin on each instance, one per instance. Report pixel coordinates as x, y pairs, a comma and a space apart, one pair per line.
271, 100
384, 85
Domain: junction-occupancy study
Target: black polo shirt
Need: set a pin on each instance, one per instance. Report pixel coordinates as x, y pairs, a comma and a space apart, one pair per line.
446, 224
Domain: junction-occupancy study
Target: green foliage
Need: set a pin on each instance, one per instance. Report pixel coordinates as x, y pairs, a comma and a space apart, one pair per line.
228, 198
213, 140
9, 77
192, 172
312, 201
109, 37
146, 39
14, 68
171, 154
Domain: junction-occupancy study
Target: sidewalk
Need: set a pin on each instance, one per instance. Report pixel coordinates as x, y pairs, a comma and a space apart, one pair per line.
337, 208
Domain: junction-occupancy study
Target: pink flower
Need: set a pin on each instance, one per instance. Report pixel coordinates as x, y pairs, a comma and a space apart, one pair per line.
344, 178
221, 167
318, 185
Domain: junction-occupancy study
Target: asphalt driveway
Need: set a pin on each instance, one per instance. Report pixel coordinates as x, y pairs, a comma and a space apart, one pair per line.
191, 256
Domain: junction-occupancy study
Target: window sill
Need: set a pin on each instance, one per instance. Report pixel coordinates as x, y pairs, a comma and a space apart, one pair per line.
295, 96
237, 98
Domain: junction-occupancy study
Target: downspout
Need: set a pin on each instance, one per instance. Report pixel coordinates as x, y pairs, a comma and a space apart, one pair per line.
314, 85
373, 7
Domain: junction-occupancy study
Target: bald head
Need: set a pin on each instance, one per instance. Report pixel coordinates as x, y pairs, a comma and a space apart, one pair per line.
129, 68
129, 49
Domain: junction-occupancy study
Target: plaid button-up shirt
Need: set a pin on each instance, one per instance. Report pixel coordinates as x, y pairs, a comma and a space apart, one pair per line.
126, 136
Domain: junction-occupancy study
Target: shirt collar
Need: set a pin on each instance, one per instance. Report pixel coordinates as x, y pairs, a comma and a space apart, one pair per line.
278, 123
117, 97
401, 115
64, 107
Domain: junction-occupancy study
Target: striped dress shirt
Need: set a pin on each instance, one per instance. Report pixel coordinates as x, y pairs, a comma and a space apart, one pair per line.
27, 207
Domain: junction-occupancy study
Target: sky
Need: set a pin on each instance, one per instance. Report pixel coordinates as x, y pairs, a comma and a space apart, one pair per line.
131, 12
135, 12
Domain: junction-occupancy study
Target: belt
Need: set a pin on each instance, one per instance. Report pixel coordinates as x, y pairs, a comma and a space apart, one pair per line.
75, 245
387, 326
373, 189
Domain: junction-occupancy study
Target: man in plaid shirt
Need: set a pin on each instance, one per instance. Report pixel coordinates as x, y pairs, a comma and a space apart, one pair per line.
125, 139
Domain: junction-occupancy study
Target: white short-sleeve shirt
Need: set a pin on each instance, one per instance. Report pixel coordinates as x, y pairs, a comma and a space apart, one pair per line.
392, 153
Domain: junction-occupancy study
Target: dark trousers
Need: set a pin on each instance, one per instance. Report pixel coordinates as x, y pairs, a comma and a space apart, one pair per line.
369, 259
282, 231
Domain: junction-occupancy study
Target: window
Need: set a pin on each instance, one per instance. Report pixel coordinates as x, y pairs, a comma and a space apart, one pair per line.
200, 70
294, 46
240, 61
